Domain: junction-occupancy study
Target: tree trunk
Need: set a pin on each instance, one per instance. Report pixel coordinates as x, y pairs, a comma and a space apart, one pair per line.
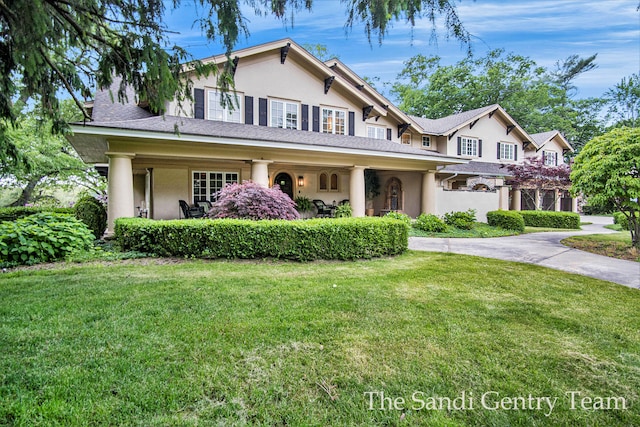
634, 228
27, 192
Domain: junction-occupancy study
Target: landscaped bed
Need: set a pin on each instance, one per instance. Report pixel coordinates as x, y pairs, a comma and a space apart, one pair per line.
146, 342
617, 245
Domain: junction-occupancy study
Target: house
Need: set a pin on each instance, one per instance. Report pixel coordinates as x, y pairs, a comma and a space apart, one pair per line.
309, 126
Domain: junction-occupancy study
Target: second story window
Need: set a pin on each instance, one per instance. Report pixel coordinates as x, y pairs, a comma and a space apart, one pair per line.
468, 147
406, 138
550, 158
229, 113
507, 151
333, 121
426, 141
376, 132
284, 114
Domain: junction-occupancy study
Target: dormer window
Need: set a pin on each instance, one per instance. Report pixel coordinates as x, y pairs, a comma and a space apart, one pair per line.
426, 141
550, 158
406, 138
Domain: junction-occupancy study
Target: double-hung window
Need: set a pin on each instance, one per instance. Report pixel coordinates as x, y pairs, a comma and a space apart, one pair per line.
376, 132
207, 184
284, 114
230, 112
550, 158
426, 141
507, 151
469, 147
333, 121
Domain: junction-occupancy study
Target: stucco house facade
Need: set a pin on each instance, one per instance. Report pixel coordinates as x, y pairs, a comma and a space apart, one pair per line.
311, 127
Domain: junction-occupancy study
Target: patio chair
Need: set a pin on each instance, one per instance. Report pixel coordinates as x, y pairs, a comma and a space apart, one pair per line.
191, 212
204, 204
323, 209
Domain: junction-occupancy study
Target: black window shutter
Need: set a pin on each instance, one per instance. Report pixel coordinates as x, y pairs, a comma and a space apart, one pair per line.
198, 99
316, 118
352, 123
479, 148
556, 155
262, 111
515, 152
498, 151
389, 134
248, 110
305, 117
459, 146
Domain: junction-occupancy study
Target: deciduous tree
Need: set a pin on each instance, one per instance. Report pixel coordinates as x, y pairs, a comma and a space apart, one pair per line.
607, 170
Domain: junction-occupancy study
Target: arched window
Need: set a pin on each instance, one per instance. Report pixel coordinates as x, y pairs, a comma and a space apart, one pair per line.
323, 181
334, 182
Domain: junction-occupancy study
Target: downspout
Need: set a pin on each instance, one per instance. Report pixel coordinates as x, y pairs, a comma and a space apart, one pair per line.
442, 181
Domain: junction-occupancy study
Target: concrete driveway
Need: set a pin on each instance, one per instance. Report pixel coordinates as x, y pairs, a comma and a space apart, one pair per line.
543, 249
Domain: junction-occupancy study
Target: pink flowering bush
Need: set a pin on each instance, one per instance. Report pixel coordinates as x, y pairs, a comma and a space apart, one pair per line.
253, 201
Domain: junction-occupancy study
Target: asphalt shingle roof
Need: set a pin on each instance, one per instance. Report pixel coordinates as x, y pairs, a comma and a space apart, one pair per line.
478, 168
446, 124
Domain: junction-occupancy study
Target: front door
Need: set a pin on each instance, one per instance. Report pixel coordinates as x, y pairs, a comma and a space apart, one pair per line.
285, 182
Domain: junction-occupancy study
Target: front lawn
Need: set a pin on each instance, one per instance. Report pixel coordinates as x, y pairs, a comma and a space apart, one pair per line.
159, 342
479, 229
615, 245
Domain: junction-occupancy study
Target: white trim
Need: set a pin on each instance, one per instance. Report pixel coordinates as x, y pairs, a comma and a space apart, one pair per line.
513, 151
144, 134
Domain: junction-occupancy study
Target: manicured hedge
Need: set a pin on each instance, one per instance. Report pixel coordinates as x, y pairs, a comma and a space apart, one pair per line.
341, 238
509, 220
622, 220
13, 213
551, 219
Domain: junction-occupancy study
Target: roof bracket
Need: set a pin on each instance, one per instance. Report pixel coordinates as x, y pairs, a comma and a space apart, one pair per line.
327, 83
473, 123
234, 65
403, 128
492, 113
525, 145
452, 134
366, 111
284, 50
359, 87
510, 128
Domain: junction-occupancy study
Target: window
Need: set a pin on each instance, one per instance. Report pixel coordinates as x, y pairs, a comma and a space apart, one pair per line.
406, 138
229, 113
550, 158
426, 141
507, 151
468, 147
284, 114
376, 132
328, 182
333, 121
207, 184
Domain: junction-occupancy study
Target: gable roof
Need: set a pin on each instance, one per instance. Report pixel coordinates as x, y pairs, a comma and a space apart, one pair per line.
450, 124
541, 139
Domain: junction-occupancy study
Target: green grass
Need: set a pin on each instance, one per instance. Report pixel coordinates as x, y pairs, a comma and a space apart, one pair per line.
479, 229
529, 229
159, 342
615, 245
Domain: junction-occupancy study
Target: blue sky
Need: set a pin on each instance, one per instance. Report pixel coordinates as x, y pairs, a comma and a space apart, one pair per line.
544, 30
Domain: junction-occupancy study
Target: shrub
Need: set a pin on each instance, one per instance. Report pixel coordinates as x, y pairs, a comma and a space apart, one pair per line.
250, 200
430, 223
42, 237
350, 238
622, 220
551, 219
400, 216
344, 211
461, 220
509, 220
93, 213
13, 213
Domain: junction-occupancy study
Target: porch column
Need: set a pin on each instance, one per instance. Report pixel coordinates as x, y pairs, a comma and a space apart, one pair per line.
428, 201
574, 204
356, 191
557, 195
260, 172
516, 200
503, 201
119, 188
537, 199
